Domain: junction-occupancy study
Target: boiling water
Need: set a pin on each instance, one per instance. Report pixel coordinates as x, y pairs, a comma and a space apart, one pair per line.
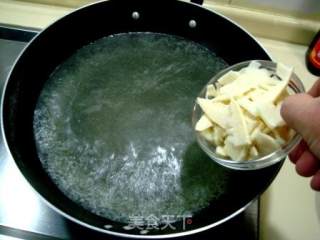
113, 127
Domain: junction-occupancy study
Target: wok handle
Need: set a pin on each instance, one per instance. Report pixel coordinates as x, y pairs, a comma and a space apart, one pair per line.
200, 2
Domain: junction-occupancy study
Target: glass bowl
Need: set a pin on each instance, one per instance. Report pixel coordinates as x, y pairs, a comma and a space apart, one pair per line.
295, 86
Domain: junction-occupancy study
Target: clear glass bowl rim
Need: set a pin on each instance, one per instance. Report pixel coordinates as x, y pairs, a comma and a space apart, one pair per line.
295, 84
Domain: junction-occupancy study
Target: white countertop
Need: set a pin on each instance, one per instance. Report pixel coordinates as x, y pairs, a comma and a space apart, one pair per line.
290, 210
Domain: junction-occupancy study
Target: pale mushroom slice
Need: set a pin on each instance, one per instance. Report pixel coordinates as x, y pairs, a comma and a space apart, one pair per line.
248, 105
211, 91
238, 87
203, 123
218, 135
207, 134
266, 86
251, 123
261, 127
281, 97
238, 153
228, 78
220, 150
221, 98
217, 112
270, 114
239, 134
253, 152
265, 143
278, 138
256, 94
285, 132
284, 72
276, 91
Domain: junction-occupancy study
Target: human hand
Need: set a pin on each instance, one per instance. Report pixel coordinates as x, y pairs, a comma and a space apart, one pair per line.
302, 113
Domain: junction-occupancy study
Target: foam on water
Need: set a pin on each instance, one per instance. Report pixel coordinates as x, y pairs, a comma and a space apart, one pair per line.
113, 127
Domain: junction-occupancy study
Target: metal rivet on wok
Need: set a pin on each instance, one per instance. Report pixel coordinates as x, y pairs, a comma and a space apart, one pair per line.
135, 15
192, 23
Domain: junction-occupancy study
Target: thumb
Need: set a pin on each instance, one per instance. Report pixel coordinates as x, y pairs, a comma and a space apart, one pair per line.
302, 113
296, 110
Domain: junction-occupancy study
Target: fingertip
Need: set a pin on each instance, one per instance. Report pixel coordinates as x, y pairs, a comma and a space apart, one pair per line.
315, 181
292, 109
307, 165
285, 107
290, 101
296, 153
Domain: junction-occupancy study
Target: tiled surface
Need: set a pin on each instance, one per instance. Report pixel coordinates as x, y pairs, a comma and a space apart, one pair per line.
309, 9
270, 25
65, 3
30, 14
303, 6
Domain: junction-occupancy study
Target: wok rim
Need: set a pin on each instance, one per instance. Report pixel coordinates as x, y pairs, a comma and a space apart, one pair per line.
100, 229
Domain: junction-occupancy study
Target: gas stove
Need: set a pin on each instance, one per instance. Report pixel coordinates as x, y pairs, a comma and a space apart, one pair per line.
24, 215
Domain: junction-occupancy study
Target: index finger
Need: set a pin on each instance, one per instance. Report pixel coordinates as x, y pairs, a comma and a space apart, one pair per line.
296, 153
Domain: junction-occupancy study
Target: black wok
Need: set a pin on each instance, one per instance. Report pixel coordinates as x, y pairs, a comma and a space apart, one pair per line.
60, 40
